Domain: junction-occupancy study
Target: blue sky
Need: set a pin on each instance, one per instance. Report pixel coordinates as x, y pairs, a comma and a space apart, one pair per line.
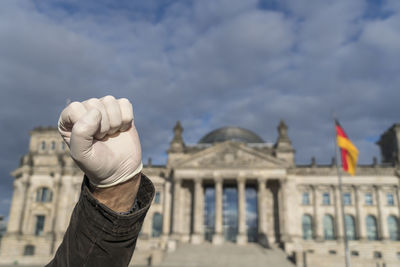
208, 63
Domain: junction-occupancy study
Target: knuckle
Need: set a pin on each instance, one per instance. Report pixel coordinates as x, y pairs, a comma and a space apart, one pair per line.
75, 105
108, 98
124, 101
93, 101
127, 117
116, 123
105, 128
127, 120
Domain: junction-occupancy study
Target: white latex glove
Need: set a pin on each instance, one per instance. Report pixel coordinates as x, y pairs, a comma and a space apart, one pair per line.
102, 139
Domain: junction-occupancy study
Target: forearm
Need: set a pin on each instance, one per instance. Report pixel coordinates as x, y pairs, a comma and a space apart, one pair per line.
119, 198
97, 234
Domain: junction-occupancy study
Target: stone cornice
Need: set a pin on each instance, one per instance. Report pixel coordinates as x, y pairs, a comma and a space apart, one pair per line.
41, 129
348, 187
160, 171
328, 170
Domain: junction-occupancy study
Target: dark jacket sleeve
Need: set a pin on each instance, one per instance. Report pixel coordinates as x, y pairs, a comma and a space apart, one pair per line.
98, 236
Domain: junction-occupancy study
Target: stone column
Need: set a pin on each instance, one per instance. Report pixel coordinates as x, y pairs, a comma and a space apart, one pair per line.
198, 226
166, 209
397, 200
317, 222
383, 232
218, 235
64, 200
262, 213
360, 225
242, 235
338, 214
54, 215
16, 207
23, 224
284, 201
177, 215
146, 230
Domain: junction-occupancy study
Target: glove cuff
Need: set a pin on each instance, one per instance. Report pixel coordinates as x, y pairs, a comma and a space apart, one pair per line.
120, 180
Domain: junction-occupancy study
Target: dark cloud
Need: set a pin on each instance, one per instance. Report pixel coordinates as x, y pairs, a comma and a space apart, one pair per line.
206, 63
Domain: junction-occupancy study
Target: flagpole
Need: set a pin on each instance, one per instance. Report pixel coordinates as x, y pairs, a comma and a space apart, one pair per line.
339, 172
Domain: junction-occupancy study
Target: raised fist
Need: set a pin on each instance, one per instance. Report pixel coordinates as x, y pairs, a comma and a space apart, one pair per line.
102, 139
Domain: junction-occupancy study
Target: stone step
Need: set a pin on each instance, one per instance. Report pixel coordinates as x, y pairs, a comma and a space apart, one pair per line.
232, 255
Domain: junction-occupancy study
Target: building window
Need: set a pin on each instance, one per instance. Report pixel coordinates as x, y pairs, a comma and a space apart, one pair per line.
62, 145
326, 198
377, 255
157, 225
43, 145
29, 250
355, 253
390, 199
328, 228
350, 227
393, 226
398, 255
157, 198
39, 224
44, 194
368, 199
306, 198
307, 226
53, 145
372, 229
347, 199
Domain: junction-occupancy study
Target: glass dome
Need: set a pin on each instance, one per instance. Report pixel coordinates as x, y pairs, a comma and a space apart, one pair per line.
232, 134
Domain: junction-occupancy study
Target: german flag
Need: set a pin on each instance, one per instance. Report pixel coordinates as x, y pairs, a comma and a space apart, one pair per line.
348, 150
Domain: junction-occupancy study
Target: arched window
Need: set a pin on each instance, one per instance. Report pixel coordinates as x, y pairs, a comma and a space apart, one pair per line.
372, 229
329, 233
393, 226
157, 225
44, 194
307, 225
350, 227
29, 250
53, 145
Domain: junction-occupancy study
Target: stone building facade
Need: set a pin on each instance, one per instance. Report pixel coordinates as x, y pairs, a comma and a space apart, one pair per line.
229, 187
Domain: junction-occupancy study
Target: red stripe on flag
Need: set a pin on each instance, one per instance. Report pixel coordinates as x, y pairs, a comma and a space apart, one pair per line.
344, 160
340, 131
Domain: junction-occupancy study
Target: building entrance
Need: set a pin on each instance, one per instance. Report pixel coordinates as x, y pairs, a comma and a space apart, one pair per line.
230, 213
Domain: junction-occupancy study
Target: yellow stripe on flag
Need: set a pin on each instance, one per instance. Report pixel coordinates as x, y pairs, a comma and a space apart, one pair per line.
351, 164
352, 153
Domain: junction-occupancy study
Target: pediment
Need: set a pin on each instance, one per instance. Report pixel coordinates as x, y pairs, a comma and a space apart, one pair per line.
230, 155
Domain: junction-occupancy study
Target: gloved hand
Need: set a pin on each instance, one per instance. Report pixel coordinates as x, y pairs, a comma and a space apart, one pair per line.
102, 139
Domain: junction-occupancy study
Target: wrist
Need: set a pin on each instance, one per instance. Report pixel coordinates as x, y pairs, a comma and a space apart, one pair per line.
118, 177
120, 197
